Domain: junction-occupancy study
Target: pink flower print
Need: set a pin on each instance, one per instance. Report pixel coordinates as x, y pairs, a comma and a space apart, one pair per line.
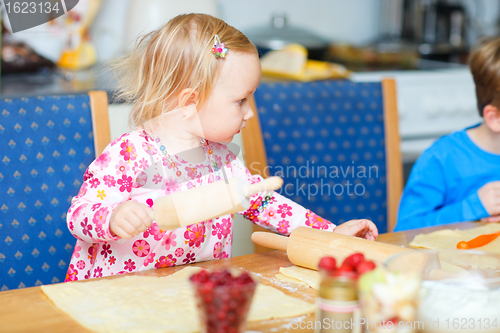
103, 160
109, 180
284, 210
217, 230
149, 202
86, 227
269, 214
218, 146
316, 222
100, 232
226, 227
230, 157
189, 258
157, 178
169, 241
170, 186
94, 182
217, 250
141, 248
72, 273
87, 276
77, 249
112, 260
283, 226
126, 183
106, 250
179, 252
165, 261
98, 272
143, 163
100, 217
128, 151
189, 185
149, 148
92, 254
80, 264
195, 234
87, 175
141, 179
115, 141
155, 231
129, 265
149, 259
191, 172
71, 226
121, 168
224, 255
95, 206
83, 190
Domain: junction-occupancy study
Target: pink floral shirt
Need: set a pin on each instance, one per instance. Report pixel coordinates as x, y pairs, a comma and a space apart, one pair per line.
124, 172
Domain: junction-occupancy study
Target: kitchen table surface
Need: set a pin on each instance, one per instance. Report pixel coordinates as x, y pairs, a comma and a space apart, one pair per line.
29, 310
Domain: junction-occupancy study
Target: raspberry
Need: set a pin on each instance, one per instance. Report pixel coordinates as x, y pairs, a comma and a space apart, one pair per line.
223, 300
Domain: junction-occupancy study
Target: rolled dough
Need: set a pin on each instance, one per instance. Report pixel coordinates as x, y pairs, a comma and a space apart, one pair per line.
448, 239
155, 304
300, 275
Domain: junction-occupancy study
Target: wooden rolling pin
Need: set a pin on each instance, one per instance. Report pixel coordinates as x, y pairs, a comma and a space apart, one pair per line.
306, 246
207, 202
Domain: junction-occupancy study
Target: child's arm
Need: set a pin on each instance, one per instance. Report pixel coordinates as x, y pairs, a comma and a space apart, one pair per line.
279, 214
104, 195
423, 200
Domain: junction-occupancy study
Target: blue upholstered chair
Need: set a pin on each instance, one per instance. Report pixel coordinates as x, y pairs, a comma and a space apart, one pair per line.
335, 143
47, 143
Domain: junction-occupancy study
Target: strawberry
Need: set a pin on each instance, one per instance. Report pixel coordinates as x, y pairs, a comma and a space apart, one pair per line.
354, 259
365, 266
328, 263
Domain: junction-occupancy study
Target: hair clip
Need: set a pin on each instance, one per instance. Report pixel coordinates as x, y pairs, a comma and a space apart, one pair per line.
219, 49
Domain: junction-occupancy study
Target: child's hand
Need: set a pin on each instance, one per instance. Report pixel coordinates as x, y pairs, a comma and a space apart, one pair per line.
130, 219
359, 228
489, 195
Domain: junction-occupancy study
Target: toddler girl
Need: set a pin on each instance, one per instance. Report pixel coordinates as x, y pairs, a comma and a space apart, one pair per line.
191, 83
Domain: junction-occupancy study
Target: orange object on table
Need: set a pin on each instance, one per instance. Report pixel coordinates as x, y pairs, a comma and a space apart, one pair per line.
478, 241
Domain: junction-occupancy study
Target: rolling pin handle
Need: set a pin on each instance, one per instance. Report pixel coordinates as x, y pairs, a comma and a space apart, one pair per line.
270, 240
269, 184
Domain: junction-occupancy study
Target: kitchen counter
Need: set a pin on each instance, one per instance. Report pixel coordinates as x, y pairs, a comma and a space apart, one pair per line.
58, 82
29, 310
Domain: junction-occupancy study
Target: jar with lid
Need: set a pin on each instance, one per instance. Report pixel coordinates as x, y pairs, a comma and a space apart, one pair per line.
338, 308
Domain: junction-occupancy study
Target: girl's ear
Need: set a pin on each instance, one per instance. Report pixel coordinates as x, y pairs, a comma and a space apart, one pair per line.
187, 97
491, 115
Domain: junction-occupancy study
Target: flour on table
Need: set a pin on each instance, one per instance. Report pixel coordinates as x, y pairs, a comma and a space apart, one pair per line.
155, 304
300, 275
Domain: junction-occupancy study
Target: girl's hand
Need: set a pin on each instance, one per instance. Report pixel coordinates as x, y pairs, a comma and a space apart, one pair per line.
130, 219
360, 228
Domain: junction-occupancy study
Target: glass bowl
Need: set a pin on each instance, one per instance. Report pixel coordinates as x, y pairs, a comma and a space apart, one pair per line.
460, 289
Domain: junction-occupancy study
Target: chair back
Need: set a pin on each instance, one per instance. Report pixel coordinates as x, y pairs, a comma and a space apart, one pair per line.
329, 141
47, 144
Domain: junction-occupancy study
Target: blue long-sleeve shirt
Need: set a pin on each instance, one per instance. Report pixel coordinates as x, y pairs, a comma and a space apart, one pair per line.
443, 184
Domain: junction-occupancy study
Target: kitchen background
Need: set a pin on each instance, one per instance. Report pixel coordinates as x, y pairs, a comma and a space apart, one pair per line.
423, 44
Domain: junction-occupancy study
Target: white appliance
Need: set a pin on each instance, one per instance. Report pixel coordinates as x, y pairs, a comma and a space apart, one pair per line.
147, 15
431, 104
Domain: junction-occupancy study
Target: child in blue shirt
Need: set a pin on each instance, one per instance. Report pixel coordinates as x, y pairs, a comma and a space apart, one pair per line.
458, 178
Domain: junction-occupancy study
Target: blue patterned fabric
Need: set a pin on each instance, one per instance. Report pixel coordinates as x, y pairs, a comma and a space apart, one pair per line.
326, 139
46, 146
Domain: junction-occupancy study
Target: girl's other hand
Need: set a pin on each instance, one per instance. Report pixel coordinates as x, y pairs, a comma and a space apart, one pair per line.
359, 228
130, 219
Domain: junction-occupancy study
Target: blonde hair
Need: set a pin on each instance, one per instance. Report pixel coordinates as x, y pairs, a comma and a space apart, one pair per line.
175, 57
484, 64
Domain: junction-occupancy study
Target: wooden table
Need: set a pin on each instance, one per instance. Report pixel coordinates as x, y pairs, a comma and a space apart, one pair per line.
29, 310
